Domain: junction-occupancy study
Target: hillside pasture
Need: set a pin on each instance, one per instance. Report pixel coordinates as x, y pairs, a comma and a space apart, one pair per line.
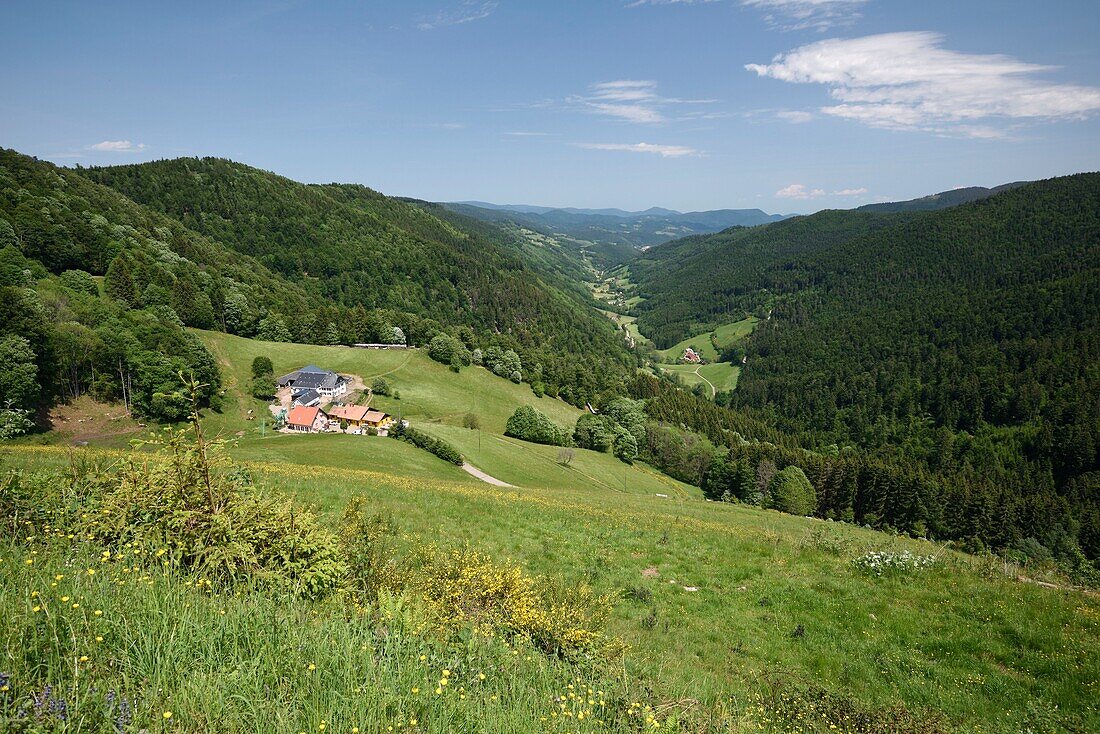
753, 612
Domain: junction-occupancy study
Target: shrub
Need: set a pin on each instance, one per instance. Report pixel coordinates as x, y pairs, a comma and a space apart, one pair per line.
881, 563
471, 421
445, 349
465, 588
379, 386
792, 492
429, 443
504, 363
594, 432
529, 424
370, 542
262, 366
196, 511
79, 281
263, 387
829, 540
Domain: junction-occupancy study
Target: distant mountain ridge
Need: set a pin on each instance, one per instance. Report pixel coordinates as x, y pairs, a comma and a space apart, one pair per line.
613, 235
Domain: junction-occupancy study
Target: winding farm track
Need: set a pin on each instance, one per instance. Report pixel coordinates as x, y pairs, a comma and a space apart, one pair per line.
475, 472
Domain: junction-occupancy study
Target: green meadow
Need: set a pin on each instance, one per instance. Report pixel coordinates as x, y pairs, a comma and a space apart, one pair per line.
722, 605
734, 618
703, 342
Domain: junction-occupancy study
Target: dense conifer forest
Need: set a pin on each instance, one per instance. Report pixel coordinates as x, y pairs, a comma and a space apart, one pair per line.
961, 344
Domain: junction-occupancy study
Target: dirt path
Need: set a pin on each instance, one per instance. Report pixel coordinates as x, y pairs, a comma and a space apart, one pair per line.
473, 471
713, 390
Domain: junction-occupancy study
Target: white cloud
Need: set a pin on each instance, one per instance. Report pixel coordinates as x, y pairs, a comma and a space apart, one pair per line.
907, 81
819, 15
525, 134
794, 116
798, 191
465, 12
633, 100
118, 146
665, 151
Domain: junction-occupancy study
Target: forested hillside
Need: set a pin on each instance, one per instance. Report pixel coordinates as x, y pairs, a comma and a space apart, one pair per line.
942, 200
360, 250
97, 289
964, 343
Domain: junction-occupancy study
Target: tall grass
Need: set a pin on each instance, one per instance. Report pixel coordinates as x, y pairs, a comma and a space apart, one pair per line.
81, 649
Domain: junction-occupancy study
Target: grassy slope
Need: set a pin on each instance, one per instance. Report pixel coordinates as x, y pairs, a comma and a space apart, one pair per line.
721, 375
429, 390
432, 397
726, 334
961, 638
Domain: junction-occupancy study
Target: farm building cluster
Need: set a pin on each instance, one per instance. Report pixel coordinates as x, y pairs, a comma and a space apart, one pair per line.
302, 393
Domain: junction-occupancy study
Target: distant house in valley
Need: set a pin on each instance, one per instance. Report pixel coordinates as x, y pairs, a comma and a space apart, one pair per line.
691, 356
380, 346
303, 419
327, 383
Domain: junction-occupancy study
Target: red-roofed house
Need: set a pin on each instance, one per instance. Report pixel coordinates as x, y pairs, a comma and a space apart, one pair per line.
306, 419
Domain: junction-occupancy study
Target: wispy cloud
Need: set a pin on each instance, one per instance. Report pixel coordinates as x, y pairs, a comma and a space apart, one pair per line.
801, 191
794, 116
632, 100
525, 134
118, 146
908, 81
787, 15
665, 151
819, 15
464, 12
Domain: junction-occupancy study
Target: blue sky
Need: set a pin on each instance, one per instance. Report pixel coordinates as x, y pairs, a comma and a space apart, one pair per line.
786, 105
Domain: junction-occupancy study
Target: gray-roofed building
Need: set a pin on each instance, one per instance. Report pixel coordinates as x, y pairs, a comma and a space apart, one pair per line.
325, 382
307, 398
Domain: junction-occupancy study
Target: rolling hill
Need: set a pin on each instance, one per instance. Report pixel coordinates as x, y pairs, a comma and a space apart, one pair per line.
358, 249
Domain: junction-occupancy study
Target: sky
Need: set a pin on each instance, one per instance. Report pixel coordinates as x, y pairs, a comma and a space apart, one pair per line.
790, 106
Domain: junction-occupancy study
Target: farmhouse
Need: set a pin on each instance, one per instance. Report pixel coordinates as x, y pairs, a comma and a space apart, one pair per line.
304, 419
327, 383
304, 397
691, 356
358, 416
